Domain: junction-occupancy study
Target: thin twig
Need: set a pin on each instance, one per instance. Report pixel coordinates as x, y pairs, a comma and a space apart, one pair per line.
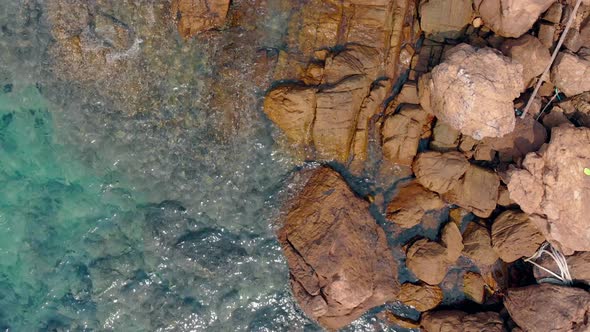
555, 52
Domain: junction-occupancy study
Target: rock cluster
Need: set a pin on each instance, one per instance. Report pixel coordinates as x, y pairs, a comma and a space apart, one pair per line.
487, 188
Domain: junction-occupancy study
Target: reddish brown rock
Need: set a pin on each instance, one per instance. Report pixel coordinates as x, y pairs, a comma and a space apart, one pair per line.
194, 16
401, 134
452, 239
421, 297
511, 18
428, 261
444, 138
474, 287
548, 307
336, 117
464, 91
445, 19
528, 136
553, 189
292, 109
530, 53
402, 322
571, 73
514, 236
339, 262
410, 205
459, 321
478, 245
476, 191
439, 172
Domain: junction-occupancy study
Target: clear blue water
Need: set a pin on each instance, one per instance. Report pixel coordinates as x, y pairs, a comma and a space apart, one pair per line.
113, 221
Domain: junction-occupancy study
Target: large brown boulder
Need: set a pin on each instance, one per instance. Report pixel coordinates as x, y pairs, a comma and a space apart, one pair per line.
440, 172
410, 205
571, 73
476, 191
514, 236
459, 321
428, 260
473, 91
530, 53
339, 262
194, 16
511, 18
550, 308
553, 189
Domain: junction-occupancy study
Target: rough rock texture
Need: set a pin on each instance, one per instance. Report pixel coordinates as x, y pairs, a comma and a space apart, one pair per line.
476, 191
452, 239
548, 307
528, 136
578, 38
511, 18
339, 262
351, 81
445, 19
194, 16
292, 109
530, 53
554, 190
428, 261
410, 205
401, 134
577, 109
478, 245
474, 287
444, 137
421, 297
514, 236
459, 321
402, 322
578, 265
465, 91
571, 73
439, 172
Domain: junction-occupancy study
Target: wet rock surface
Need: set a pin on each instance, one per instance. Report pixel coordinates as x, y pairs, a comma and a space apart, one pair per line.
340, 264
452, 320
194, 16
422, 297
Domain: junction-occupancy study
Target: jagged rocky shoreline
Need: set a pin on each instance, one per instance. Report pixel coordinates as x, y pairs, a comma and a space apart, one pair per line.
422, 100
